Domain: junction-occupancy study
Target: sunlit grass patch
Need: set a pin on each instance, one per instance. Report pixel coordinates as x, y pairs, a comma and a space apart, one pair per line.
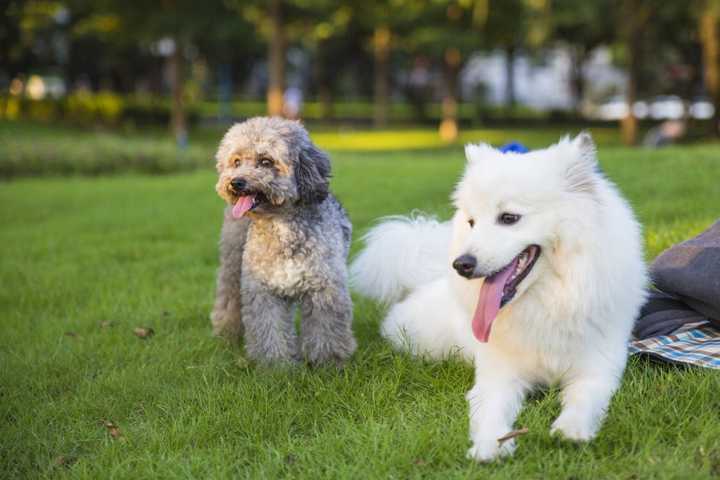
414, 139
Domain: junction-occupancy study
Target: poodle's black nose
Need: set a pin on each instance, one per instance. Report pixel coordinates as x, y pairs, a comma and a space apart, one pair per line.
465, 265
238, 184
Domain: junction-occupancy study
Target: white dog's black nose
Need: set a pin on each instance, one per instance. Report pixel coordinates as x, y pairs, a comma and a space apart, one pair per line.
238, 184
465, 265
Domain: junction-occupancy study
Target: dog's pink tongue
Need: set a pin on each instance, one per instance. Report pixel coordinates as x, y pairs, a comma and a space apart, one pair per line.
242, 205
488, 304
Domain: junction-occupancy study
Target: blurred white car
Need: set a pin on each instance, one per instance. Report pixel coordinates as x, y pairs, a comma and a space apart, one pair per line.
662, 107
702, 109
666, 107
616, 109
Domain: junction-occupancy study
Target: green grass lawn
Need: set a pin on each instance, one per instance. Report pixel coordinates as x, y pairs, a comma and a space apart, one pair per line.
86, 260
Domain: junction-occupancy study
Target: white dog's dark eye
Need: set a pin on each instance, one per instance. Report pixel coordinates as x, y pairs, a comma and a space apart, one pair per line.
236, 162
508, 218
471, 222
265, 162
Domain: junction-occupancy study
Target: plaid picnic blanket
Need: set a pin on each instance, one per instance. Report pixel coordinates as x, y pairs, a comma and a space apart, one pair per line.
694, 344
681, 320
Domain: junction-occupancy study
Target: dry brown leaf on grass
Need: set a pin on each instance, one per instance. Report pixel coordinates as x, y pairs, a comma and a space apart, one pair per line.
64, 461
106, 324
144, 332
513, 434
112, 429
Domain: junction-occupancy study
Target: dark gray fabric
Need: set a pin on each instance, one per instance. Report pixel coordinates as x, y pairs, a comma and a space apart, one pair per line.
662, 315
687, 276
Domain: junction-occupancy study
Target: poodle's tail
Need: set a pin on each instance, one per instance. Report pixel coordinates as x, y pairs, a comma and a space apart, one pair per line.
400, 254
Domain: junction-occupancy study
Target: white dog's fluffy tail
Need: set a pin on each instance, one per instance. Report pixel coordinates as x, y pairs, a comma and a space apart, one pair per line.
400, 254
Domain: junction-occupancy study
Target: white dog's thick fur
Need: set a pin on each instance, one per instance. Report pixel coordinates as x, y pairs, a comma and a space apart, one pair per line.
571, 316
400, 255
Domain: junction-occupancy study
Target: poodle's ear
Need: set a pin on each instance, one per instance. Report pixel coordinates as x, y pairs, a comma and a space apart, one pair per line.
312, 174
581, 172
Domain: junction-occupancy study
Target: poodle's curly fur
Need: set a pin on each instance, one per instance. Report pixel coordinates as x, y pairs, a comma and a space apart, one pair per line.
289, 250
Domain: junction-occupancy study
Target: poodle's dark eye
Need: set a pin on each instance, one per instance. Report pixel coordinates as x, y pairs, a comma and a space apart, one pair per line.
265, 162
236, 162
471, 222
508, 218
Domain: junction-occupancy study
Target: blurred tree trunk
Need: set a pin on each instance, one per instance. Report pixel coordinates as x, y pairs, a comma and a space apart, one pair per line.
276, 60
381, 52
178, 119
577, 79
629, 124
449, 124
708, 29
326, 102
322, 74
635, 16
510, 76
224, 90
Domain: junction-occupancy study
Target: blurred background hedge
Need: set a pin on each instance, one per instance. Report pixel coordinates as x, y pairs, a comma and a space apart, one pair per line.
85, 108
107, 108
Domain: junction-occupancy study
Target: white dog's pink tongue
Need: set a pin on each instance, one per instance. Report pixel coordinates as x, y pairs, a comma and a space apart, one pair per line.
488, 304
242, 205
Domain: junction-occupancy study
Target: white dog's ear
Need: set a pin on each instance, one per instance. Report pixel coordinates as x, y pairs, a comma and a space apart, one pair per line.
586, 146
581, 172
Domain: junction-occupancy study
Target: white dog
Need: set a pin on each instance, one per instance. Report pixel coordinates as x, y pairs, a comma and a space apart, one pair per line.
547, 278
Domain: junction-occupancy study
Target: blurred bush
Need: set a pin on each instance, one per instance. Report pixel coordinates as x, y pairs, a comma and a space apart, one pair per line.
86, 108
106, 108
103, 108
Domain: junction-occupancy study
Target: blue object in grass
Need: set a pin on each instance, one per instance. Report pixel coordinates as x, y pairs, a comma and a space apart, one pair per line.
514, 147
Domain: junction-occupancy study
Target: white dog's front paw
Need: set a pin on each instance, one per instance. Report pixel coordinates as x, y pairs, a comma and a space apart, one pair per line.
574, 427
489, 450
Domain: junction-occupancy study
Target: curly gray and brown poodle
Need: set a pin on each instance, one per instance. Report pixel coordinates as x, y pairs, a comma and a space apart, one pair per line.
284, 244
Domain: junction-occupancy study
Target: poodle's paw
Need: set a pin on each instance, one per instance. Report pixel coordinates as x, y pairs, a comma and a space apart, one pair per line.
489, 450
217, 320
226, 323
573, 426
324, 353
